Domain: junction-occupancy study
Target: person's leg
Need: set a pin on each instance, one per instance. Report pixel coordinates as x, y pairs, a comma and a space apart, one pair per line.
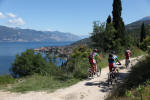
110, 68
126, 62
93, 68
115, 67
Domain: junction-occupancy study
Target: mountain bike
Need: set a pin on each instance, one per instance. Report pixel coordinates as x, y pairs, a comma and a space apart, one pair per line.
92, 74
113, 75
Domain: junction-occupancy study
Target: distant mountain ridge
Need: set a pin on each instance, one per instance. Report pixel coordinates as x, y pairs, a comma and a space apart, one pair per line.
145, 18
29, 35
137, 24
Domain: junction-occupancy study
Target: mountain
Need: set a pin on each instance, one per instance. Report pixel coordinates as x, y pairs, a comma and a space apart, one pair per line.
28, 35
84, 36
85, 41
137, 24
145, 18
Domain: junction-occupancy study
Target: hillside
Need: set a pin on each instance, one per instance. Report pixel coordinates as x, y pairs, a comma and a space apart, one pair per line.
82, 42
137, 24
28, 35
135, 27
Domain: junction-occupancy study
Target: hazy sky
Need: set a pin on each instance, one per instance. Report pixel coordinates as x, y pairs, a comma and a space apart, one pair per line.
75, 16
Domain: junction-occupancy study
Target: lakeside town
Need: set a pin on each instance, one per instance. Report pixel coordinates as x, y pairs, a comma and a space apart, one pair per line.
63, 51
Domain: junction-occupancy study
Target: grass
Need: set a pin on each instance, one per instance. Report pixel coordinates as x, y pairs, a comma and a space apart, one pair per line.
41, 83
142, 92
6, 79
136, 85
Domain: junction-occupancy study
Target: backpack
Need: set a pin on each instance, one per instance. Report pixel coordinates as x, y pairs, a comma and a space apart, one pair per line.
127, 53
91, 56
111, 58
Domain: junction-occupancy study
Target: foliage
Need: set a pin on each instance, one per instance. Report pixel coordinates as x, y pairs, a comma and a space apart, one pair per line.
29, 63
109, 43
143, 34
104, 37
97, 35
118, 22
142, 92
109, 19
78, 63
37, 82
145, 44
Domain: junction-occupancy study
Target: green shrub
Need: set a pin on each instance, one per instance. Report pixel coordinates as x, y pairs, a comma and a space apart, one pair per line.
29, 63
145, 44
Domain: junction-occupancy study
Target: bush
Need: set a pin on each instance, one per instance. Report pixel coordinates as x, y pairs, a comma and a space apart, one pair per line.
29, 63
145, 44
78, 63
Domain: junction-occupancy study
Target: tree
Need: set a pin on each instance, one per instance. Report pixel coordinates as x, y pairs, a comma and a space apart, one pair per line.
108, 36
145, 45
118, 22
98, 34
29, 63
143, 34
109, 19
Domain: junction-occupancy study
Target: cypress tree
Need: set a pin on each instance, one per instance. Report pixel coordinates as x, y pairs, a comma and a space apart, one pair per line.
118, 22
143, 35
109, 19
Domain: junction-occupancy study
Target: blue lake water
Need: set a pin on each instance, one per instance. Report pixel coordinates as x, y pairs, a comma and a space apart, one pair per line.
8, 51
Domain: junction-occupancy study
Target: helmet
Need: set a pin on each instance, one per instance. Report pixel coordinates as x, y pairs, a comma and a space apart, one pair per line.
95, 50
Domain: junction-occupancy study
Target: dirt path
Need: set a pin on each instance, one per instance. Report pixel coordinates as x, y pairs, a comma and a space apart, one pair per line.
94, 89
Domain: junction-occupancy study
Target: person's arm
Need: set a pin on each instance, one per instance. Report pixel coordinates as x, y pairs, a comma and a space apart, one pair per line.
119, 61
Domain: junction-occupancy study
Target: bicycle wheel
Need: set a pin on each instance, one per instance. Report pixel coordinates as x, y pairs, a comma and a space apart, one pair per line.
110, 78
89, 74
98, 72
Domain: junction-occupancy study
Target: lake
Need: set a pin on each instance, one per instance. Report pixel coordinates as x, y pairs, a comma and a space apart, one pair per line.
8, 51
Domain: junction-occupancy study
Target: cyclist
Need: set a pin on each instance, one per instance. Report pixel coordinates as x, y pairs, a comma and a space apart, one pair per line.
127, 56
112, 60
92, 60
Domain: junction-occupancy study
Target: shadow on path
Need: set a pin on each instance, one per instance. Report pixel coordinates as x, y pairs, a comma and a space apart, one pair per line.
103, 85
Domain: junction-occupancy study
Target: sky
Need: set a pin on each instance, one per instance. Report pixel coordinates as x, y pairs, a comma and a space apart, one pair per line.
74, 16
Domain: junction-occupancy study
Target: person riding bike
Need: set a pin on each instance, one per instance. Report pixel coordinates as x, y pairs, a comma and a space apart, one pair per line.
127, 56
92, 60
112, 60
